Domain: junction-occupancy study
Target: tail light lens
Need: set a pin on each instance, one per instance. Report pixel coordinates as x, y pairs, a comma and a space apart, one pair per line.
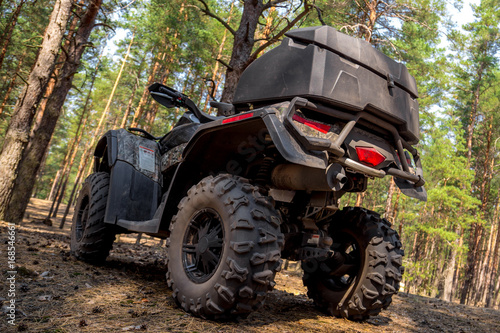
369, 156
323, 128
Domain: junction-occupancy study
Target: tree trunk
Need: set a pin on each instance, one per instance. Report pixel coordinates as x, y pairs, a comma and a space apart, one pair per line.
243, 43
131, 99
70, 201
13, 81
81, 169
53, 191
69, 165
142, 102
61, 196
450, 270
70, 155
242, 47
359, 199
388, 205
215, 71
16, 138
10, 29
39, 145
117, 80
495, 269
486, 268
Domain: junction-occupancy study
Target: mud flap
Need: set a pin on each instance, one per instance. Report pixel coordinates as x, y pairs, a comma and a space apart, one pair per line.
132, 195
410, 190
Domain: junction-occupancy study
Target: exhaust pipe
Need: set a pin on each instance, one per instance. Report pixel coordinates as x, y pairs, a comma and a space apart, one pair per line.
301, 178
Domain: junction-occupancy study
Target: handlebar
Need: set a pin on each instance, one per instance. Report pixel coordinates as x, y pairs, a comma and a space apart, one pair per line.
169, 97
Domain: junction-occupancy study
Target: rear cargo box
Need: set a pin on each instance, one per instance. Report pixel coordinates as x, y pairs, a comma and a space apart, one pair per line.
324, 65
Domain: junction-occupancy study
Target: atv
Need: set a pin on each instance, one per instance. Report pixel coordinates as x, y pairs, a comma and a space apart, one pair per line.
311, 120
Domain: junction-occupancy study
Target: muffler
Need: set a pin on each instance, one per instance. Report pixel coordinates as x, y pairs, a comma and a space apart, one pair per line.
302, 178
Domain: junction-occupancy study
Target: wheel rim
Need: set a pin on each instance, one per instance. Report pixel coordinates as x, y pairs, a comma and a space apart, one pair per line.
341, 279
202, 247
81, 218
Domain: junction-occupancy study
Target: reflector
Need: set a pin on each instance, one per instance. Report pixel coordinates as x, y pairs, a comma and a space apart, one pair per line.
369, 156
238, 117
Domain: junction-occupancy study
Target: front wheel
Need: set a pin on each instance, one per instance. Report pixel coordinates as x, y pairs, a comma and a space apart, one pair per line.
364, 283
224, 248
91, 237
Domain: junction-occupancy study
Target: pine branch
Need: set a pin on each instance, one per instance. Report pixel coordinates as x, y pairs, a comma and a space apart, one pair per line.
275, 38
207, 12
225, 64
105, 25
271, 3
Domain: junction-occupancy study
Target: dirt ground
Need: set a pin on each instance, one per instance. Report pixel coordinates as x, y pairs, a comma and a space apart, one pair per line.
56, 293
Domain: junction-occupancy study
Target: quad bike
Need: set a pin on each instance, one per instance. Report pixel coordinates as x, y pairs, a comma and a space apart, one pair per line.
311, 120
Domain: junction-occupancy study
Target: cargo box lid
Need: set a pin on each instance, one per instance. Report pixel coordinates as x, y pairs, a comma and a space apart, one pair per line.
359, 52
328, 67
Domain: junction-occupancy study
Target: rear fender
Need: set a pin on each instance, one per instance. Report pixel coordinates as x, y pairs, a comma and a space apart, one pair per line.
224, 146
216, 142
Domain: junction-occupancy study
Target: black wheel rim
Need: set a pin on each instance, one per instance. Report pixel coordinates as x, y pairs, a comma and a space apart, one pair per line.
202, 247
341, 279
81, 218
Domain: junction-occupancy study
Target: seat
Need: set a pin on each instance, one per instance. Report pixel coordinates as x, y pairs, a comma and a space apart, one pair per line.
177, 136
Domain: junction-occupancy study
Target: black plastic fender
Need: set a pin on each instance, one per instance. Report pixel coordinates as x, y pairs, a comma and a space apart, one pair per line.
248, 135
135, 179
228, 145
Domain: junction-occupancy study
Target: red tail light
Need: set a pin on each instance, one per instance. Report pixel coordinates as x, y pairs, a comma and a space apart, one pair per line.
238, 117
369, 156
323, 128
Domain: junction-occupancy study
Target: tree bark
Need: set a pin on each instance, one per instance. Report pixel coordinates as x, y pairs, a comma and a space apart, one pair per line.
69, 165
215, 71
388, 205
142, 102
131, 99
81, 170
16, 138
39, 145
495, 269
450, 270
244, 39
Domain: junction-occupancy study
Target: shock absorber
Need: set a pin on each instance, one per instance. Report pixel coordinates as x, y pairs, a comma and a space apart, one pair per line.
263, 176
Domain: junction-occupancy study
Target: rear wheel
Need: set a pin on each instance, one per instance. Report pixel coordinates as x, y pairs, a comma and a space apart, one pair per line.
224, 248
91, 238
370, 274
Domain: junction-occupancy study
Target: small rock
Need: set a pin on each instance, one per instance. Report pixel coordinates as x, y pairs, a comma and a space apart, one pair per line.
45, 274
87, 285
134, 327
45, 298
129, 328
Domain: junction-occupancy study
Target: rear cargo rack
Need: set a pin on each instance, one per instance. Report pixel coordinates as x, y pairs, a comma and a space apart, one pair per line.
335, 146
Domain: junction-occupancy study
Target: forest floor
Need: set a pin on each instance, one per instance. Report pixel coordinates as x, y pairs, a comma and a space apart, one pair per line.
56, 293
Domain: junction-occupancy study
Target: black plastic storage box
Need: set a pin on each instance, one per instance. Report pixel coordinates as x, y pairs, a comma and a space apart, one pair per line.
326, 66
